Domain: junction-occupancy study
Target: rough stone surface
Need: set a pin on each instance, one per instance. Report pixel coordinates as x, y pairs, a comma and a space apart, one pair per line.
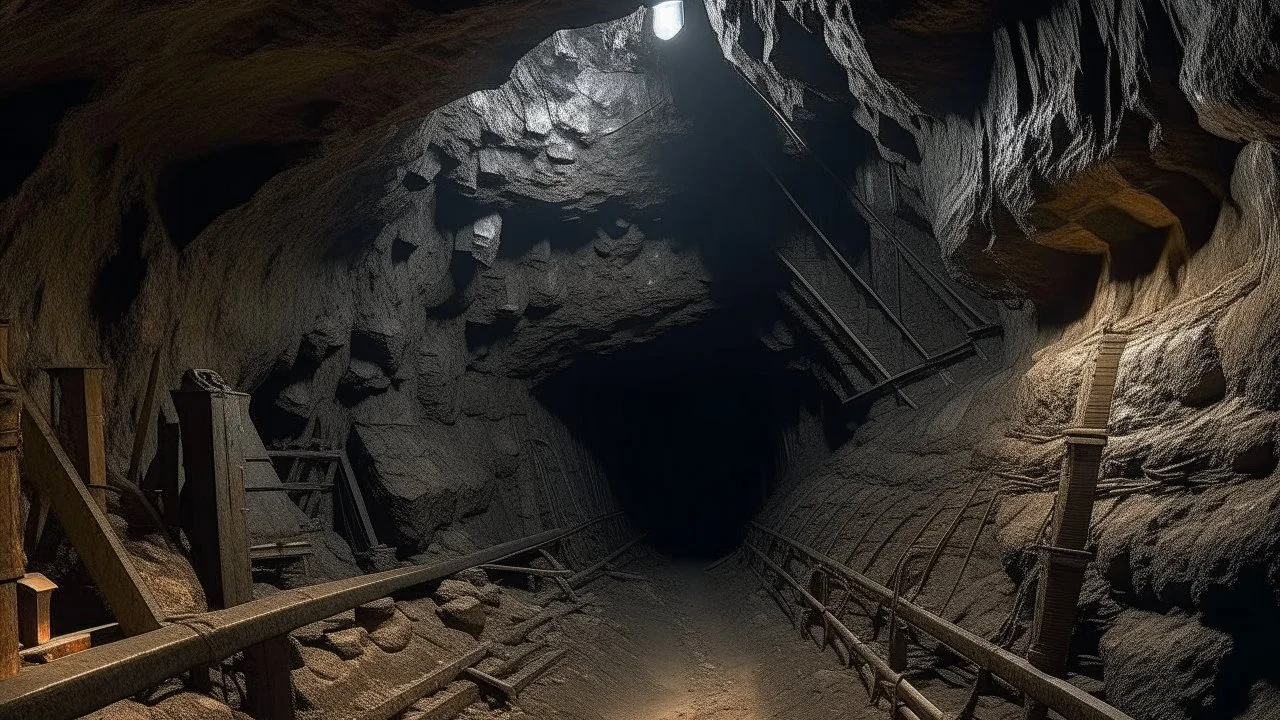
1099, 160
465, 613
313, 210
349, 643
450, 590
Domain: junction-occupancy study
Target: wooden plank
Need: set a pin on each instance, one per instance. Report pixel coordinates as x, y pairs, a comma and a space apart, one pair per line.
357, 499
268, 682
306, 454
434, 681
9, 662
48, 469
291, 487
215, 483
79, 423
272, 551
450, 703
144, 421
536, 572
233, 534
34, 594
58, 647
534, 670
12, 559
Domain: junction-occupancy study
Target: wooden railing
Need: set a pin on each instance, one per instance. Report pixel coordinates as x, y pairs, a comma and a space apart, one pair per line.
1055, 693
89, 680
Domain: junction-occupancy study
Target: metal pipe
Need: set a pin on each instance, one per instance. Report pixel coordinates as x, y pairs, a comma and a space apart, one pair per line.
973, 545
84, 682
849, 269
1063, 697
841, 324
945, 356
581, 577
933, 281
912, 697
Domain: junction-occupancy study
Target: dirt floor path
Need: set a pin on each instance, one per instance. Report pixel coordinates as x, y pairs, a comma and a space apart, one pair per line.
689, 645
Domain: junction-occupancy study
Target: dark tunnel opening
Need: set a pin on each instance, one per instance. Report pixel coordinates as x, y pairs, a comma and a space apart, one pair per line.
688, 428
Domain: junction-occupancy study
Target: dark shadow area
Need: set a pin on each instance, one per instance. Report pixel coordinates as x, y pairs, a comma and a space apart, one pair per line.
28, 119
121, 278
193, 193
687, 427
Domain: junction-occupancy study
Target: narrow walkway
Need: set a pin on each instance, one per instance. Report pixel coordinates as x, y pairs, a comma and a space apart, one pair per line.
690, 645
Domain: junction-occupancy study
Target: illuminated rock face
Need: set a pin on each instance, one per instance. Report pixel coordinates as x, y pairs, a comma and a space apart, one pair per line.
322, 213
1112, 163
330, 204
1034, 136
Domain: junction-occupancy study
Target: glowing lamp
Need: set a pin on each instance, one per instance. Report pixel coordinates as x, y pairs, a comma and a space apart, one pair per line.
668, 18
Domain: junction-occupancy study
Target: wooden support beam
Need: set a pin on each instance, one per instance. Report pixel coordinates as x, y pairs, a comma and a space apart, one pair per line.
214, 419
210, 421
357, 502
536, 572
49, 471
77, 416
57, 648
12, 559
9, 662
162, 476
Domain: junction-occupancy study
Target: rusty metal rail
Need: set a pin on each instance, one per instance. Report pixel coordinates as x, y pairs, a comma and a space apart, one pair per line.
81, 683
1064, 698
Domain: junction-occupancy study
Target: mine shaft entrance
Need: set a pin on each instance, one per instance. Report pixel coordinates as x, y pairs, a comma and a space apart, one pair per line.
688, 428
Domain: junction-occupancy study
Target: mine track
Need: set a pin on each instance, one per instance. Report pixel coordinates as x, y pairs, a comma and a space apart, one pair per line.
87, 681
777, 560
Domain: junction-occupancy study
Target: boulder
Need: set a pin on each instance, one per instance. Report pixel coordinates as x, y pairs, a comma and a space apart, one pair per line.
466, 614
454, 589
393, 635
371, 615
349, 643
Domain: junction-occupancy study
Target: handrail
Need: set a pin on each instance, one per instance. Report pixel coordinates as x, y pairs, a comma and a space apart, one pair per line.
1063, 697
87, 681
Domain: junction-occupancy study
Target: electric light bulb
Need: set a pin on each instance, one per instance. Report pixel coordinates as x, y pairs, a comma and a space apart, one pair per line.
668, 18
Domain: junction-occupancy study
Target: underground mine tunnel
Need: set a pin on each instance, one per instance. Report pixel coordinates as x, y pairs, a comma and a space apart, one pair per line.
595, 360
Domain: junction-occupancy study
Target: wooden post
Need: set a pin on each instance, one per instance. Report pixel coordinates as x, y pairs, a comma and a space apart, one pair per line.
213, 496
213, 508
12, 560
77, 416
34, 593
161, 479
49, 472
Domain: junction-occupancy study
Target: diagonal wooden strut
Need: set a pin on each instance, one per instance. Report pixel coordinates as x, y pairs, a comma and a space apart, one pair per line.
50, 472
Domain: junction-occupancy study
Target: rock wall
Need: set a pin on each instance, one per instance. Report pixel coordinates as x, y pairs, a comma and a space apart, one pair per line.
383, 278
1100, 161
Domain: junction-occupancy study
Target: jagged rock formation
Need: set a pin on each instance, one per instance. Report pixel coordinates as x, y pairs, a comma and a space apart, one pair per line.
308, 200
1098, 159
